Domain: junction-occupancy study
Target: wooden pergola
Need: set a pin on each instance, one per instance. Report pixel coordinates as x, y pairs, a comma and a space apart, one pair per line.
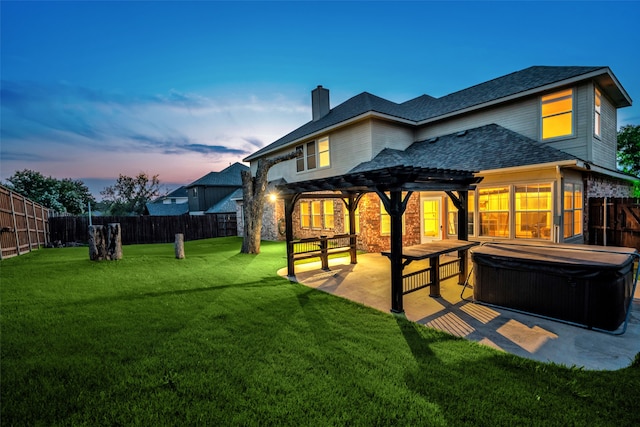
389, 183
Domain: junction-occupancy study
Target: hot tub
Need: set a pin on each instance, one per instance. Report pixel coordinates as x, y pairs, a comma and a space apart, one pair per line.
587, 285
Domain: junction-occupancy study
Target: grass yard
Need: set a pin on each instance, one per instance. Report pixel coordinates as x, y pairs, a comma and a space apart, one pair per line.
219, 339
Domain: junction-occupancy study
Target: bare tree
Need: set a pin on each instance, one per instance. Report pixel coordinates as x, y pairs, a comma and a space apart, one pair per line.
254, 189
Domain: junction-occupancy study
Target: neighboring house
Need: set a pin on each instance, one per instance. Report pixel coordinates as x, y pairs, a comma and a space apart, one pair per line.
212, 189
177, 196
174, 203
539, 142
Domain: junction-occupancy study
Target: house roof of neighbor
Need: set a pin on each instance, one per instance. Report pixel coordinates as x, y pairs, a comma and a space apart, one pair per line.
228, 177
227, 204
167, 209
178, 192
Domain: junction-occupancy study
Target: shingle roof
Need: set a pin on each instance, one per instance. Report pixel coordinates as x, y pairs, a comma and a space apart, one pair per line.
167, 209
426, 107
178, 192
471, 150
229, 177
228, 204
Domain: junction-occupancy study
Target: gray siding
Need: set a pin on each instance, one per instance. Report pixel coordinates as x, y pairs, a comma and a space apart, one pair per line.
522, 117
605, 147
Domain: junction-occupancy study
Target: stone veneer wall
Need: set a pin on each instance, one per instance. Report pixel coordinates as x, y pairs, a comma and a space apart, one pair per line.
369, 238
596, 185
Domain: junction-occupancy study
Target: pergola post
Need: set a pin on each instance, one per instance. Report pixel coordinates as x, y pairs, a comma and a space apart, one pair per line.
289, 203
461, 202
351, 206
395, 207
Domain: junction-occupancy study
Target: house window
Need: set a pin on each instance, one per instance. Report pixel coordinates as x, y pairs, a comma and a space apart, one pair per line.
346, 220
493, 210
316, 215
533, 211
313, 155
452, 216
385, 220
327, 211
597, 124
557, 114
323, 152
572, 210
305, 215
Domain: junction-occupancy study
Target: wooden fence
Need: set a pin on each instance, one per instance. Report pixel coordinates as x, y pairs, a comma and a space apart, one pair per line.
614, 222
24, 224
146, 229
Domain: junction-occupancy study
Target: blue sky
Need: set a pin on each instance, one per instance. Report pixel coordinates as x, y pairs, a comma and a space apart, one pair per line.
91, 90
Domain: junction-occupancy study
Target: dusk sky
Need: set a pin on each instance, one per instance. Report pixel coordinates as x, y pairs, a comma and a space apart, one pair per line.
91, 90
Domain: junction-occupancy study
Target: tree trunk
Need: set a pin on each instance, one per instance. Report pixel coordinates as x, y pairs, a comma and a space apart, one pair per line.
253, 192
114, 241
97, 246
179, 246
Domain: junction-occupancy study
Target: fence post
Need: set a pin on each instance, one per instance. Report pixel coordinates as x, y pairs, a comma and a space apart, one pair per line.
324, 255
179, 246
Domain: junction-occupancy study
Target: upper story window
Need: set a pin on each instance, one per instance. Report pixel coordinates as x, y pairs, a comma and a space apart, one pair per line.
557, 114
597, 124
312, 155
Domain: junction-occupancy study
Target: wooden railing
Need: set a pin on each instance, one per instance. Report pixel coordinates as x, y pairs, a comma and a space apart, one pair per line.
421, 279
321, 247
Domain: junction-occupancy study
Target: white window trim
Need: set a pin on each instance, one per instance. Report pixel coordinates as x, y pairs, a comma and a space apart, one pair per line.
305, 155
573, 117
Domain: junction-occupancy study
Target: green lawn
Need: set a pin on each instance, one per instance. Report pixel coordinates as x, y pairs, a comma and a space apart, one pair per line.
219, 339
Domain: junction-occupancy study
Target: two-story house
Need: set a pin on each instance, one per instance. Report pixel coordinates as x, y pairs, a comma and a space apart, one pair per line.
213, 193
539, 142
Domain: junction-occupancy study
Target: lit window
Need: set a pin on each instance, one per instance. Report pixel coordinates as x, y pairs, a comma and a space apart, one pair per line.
597, 124
533, 211
572, 210
327, 210
557, 114
452, 216
312, 155
305, 217
346, 220
316, 215
323, 152
385, 220
493, 211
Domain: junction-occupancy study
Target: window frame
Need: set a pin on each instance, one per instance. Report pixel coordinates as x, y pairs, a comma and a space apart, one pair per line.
310, 158
480, 211
597, 112
557, 97
518, 211
573, 212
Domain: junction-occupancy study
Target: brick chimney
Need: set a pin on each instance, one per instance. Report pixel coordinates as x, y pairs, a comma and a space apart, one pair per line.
319, 102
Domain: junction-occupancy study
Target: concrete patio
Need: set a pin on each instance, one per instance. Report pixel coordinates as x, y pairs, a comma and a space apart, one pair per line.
368, 283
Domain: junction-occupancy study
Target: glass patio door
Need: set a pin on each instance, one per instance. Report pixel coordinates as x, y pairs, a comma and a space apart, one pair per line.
431, 225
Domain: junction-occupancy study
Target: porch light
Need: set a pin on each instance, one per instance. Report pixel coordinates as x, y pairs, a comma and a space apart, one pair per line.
273, 197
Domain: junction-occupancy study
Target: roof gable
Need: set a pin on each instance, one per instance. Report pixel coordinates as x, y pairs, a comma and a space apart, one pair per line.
228, 177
